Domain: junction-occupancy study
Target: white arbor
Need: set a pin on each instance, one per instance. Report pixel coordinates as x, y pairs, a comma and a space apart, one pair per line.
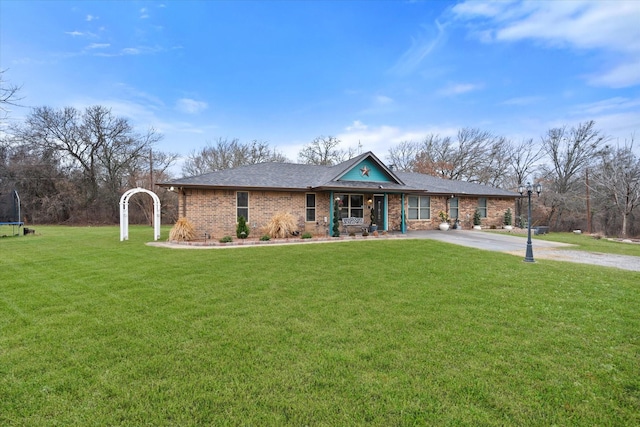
124, 212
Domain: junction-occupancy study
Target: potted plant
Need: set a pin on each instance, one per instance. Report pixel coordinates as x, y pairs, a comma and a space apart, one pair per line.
477, 220
508, 219
374, 226
444, 221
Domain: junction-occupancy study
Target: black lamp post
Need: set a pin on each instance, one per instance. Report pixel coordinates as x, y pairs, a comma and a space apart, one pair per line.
529, 189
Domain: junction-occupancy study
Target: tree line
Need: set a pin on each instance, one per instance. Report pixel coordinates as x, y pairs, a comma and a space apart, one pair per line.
72, 166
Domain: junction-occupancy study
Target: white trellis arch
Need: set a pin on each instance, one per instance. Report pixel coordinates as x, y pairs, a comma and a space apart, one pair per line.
124, 213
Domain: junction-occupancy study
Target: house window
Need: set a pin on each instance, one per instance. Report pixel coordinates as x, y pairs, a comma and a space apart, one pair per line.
419, 207
453, 208
352, 205
311, 207
242, 205
482, 207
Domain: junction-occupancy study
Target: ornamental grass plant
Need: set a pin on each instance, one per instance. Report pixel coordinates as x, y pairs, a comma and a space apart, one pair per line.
281, 225
182, 231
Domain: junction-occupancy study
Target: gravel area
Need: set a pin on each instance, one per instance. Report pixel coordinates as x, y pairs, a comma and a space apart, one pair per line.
624, 262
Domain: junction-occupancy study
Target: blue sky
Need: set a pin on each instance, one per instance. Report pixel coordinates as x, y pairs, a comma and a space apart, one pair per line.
369, 72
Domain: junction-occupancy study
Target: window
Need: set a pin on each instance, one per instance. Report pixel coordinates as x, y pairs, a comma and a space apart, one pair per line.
352, 205
311, 207
419, 207
242, 205
453, 208
482, 207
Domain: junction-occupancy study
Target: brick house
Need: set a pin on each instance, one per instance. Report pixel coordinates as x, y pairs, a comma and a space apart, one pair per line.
400, 201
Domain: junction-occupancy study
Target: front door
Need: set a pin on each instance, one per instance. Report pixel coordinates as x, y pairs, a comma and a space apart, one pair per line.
378, 207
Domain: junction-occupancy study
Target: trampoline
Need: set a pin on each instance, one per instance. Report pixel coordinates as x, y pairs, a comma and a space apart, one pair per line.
10, 211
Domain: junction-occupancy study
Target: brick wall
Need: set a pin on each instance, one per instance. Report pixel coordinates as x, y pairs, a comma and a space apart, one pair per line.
496, 207
214, 211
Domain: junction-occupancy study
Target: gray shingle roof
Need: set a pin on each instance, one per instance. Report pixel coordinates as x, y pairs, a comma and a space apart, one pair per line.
302, 177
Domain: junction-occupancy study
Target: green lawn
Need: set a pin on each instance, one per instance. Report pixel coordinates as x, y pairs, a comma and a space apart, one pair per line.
96, 332
587, 243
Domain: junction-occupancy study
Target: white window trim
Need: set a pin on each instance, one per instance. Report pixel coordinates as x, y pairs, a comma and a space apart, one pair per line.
307, 207
419, 208
243, 207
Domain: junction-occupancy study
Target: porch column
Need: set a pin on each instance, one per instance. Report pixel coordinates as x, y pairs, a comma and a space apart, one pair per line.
403, 224
331, 208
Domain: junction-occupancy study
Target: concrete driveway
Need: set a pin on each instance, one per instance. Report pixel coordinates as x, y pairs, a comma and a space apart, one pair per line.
490, 241
517, 244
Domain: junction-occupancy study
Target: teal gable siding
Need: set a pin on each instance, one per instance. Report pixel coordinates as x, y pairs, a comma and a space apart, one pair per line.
375, 173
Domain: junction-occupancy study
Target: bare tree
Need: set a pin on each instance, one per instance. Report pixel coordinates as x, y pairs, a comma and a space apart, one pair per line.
494, 170
617, 182
322, 151
569, 151
434, 157
47, 192
98, 148
228, 154
523, 158
403, 156
8, 96
475, 156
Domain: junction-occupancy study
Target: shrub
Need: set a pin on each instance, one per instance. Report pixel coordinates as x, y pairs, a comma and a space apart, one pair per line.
282, 224
242, 230
226, 239
182, 230
336, 217
265, 238
508, 218
477, 220
306, 235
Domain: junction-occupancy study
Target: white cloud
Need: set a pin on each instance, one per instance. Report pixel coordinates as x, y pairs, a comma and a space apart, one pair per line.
130, 51
620, 76
523, 100
74, 33
98, 46
381, 138
420, 48
616, 104
611, 27
382, 100
459, 88
144, 13
357, 125
90, 18
190, 106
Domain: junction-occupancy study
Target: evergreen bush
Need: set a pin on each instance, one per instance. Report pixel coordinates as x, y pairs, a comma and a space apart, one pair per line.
508, 218
242, 230
477, 220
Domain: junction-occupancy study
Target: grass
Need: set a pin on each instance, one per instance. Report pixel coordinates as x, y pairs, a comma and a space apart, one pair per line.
98, 332
587, 243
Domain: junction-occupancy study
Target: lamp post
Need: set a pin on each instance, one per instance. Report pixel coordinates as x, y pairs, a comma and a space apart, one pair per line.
529, 189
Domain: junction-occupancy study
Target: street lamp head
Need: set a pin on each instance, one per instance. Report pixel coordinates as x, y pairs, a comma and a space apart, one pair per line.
538, 188
529, 188
520, 189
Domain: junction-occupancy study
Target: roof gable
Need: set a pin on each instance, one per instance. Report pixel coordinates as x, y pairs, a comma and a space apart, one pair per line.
366, 168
